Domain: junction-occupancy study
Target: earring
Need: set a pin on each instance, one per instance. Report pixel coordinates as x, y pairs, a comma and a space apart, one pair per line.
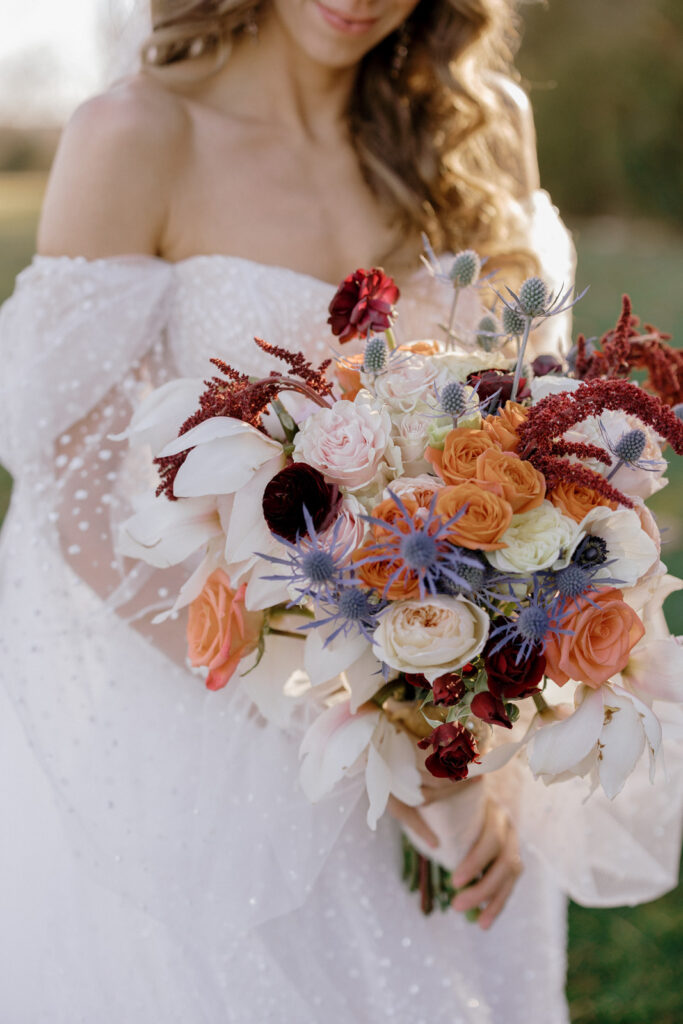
401, 48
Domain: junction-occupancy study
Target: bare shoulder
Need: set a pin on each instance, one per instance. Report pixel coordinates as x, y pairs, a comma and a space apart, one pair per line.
112, 177
519, 114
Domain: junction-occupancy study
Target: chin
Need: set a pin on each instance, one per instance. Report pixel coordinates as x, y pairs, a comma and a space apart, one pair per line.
338, 33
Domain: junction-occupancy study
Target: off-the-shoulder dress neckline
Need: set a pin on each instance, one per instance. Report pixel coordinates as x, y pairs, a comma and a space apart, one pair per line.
189, 261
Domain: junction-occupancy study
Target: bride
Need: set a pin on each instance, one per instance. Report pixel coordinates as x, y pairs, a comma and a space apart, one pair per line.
160, 862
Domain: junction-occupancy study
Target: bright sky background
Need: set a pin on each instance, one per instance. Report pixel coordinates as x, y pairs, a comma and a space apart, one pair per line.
54, 53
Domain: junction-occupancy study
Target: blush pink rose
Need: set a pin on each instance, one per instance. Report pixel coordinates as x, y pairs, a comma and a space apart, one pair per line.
601, 638
220, 631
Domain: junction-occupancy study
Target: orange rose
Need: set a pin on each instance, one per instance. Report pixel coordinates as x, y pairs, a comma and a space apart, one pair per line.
576, 501
600, 641
389, 511
502, 428
348, 375
487, 517
458, 460
523, 486
376, 574
220, 631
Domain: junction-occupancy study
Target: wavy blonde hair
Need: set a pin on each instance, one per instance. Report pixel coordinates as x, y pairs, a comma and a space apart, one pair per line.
438, 142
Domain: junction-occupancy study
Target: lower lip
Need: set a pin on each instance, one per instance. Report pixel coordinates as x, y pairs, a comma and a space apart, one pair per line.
349, 27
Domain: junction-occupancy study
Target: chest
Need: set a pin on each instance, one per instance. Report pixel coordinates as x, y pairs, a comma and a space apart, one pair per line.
262, 196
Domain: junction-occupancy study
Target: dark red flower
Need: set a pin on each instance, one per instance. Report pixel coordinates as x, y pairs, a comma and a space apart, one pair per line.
454, 749
364, 302
543, 365
287, 493
493, 381
448, 689
510, 679
490, 709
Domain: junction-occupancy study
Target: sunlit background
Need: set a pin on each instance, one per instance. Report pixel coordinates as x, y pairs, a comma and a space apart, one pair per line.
606, 82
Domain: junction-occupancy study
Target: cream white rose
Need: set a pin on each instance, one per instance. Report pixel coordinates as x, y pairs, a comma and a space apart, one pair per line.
437, 635
552, 384
407, 383
457, 365
411, 437
348, 442
535, 540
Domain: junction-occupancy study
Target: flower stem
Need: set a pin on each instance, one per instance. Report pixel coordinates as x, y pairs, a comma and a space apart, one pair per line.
540, 702
615, 469
520, 358
391, 338
451, 319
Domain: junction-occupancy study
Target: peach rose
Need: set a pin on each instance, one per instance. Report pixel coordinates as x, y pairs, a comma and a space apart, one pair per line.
576, 501
523, 486
458, 460
502, 428
220, 631
487, 517
348, 375
376, 574
423, 347
602, 635
389, 512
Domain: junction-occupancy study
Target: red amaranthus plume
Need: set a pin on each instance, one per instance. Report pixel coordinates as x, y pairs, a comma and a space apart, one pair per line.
625, 348
541, 434
246, 398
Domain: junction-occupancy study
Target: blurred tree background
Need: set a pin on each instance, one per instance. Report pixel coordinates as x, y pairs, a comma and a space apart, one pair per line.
606, 82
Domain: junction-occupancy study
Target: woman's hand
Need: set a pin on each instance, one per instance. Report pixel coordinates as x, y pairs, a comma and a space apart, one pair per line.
496, 854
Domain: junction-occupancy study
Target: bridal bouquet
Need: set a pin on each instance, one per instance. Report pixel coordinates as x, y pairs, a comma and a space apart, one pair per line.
448, 527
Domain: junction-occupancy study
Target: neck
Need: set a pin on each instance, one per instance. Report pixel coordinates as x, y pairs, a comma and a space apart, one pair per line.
272, 80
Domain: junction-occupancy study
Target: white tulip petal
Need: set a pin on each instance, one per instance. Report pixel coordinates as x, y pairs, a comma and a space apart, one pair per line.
247, 531
622, 741
323, 662
397, 751
193, 586
363, 678
214, 428
559, 747
164, 533
651, 725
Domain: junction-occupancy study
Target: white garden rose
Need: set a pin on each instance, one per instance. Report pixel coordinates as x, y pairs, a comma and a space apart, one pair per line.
552, 384
537, 539
349, 442
457, 365
432, 636
407, 383
411, 437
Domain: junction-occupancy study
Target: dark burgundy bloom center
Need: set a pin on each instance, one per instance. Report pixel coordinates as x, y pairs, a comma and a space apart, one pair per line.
364, 302
491, 382
286, 494
510, 679
490, 709
454, 750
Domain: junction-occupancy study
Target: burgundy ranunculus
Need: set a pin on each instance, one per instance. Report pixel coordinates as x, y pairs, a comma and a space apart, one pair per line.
492, 381
363, 303
542, 365
454, 750
490, 709
287, 493
509, 679
448, 689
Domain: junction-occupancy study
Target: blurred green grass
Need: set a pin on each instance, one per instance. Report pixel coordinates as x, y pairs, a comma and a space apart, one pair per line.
623, 964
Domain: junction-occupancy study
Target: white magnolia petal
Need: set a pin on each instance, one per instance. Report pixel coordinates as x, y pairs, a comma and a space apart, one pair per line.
331, 747
655, 669
622, 740
160, 415
193, 586
264, 682
223, 465
559, 747
499, 756
323, 662
214, 428
247, 531
397, 751
651, 725
164, 533
378, 785
363, 678
262, 594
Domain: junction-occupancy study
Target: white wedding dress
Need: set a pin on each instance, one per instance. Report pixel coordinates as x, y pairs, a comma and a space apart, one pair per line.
158, 862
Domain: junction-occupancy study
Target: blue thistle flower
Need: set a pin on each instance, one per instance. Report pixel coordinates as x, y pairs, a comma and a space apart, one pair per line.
465, 268
533, 296
513, 322
488, 332
376, 355
453, 399
631, 446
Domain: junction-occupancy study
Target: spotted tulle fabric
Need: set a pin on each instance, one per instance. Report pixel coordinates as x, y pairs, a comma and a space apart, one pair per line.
158, 861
